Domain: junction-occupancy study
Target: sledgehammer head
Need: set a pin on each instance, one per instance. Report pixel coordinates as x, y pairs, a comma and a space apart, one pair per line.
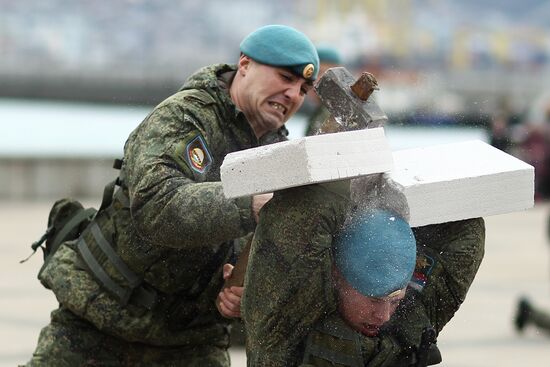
351, 108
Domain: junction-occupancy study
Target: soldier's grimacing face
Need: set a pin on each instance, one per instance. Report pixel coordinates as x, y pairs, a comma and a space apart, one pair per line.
270, 95
365, 314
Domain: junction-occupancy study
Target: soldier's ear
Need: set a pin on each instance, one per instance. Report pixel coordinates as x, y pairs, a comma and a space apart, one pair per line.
244, 64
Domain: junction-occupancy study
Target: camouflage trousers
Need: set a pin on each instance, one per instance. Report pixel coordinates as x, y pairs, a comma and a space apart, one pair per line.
71, 341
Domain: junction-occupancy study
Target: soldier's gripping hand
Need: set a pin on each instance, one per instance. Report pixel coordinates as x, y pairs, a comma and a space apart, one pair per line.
229, 299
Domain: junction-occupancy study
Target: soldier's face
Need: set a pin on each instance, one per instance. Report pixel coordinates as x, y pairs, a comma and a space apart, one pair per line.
269, 96
365, 314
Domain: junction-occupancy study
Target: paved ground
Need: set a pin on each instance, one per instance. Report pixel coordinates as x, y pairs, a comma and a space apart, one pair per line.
481, 334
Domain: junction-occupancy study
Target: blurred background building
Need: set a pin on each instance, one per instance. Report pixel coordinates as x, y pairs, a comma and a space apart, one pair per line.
477, 68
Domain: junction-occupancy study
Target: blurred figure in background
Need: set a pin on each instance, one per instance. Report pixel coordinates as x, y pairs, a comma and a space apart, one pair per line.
535, 150
532, 144
329, 57
527, 314
500, 132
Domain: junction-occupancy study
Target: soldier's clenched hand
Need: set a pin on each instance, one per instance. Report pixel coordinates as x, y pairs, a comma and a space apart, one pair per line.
229, 299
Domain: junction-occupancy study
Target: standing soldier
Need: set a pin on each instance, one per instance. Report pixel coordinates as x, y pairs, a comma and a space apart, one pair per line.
527, 314
138, 285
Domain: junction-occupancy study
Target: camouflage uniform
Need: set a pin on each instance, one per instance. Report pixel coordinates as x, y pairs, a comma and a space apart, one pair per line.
288, 283
170, 228
291, 308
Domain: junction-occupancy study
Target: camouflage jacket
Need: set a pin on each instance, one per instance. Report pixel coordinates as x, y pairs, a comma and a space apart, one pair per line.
171, 226
288, 283
289, 297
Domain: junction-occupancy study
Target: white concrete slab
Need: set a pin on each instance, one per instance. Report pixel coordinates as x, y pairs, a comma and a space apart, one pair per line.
462, 180
312, 159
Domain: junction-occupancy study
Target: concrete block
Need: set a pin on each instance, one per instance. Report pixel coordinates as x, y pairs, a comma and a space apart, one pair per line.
311, 159
463, 180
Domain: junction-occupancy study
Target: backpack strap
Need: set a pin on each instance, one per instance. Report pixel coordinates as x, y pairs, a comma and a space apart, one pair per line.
136, 291
122, 294
35, 245
109, 189
74, 222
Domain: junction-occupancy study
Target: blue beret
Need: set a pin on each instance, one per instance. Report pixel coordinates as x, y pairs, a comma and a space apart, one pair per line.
283, 46
376, 253
328, 54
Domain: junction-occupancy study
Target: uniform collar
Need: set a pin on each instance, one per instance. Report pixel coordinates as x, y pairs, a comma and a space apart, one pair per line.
239, 124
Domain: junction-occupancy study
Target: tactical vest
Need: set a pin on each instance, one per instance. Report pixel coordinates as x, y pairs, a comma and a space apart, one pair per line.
333, 343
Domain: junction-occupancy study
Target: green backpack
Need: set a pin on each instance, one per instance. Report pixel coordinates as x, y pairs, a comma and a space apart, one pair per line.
66, 221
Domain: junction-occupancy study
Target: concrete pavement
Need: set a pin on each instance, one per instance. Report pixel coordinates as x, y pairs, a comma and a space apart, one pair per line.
481, 334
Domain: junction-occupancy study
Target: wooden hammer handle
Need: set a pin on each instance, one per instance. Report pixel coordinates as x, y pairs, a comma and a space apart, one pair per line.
237, 277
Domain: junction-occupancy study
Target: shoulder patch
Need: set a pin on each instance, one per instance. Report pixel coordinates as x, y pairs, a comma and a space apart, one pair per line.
197, 155
422, 270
